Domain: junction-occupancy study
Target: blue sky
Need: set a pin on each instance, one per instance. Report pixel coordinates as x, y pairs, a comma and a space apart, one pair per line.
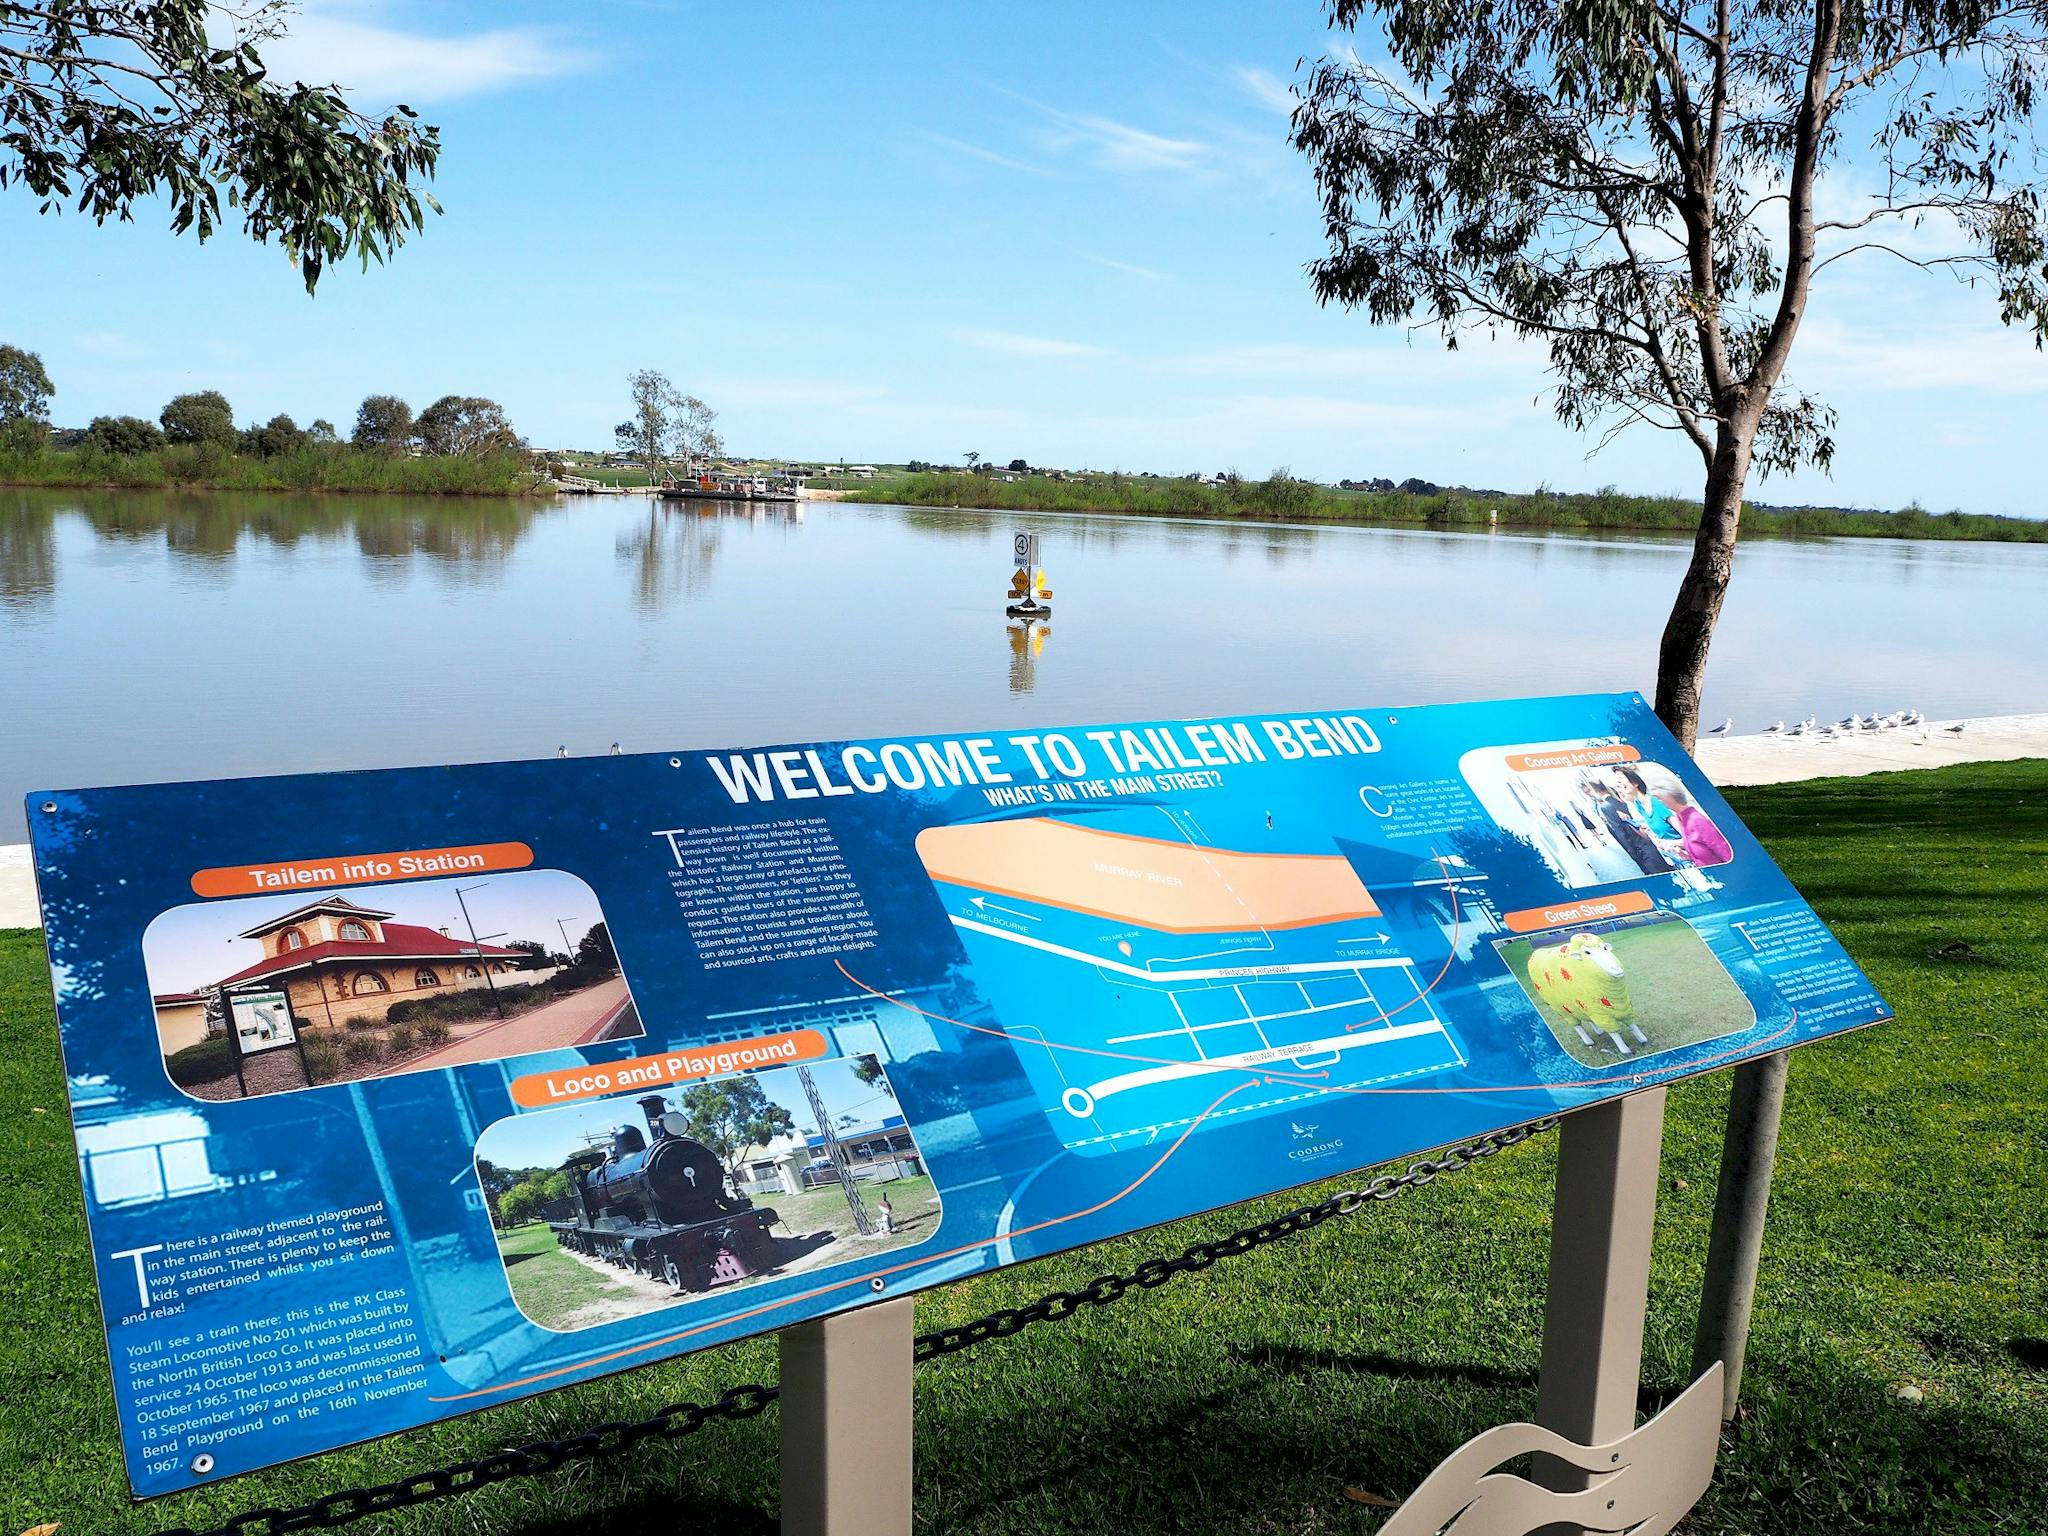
1068, 232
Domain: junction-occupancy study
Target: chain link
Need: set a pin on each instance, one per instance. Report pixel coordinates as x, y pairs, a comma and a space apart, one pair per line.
673, 1422
530, 1460
1058, 1306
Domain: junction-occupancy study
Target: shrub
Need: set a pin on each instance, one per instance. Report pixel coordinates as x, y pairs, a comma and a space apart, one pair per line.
202, 417
26, 436
357, 1050
400, 1038
433, 1032
322, 1060
208, 1061
405, 1012
123, 435
358, 1023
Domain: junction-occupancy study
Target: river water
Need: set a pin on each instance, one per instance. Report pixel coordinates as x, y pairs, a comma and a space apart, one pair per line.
172, 635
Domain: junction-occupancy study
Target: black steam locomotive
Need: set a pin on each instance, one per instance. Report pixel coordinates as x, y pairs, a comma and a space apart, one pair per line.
660, 1208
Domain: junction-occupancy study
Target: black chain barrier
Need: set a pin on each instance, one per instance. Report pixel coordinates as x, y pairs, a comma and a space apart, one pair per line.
673, 1422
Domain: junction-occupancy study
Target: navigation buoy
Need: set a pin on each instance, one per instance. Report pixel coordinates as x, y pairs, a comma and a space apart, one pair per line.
1030, 595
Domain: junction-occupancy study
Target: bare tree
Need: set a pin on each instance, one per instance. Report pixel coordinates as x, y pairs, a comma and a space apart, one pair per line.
1638, 185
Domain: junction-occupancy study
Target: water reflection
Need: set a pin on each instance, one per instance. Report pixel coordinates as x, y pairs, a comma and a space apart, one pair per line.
1027, 644
670, 625
28, 553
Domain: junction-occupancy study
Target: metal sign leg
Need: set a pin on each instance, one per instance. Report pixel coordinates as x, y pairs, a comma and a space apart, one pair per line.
1601, 1223
1748, 1150
845, 1412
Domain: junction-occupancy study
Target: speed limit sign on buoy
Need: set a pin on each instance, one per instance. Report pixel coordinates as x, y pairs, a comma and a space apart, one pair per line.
1027, 549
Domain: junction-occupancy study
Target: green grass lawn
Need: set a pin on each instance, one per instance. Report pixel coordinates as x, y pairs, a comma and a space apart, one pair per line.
1908, 1247
816, 1210
1678, 992
548, 1285
552, 1287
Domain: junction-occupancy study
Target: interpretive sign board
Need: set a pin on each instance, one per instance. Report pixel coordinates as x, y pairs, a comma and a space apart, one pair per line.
262, 1021
620, 1057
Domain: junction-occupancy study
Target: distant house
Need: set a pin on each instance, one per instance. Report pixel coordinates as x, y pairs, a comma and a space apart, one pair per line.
335, 959
861, 471
793, 1163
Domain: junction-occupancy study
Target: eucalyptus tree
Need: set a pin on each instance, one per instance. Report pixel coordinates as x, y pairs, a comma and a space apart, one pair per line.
105, 104
25, 387
666, 424
1652, 188
384, 424
467, 426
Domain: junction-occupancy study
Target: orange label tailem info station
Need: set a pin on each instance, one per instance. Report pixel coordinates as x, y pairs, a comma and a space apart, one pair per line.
538, 1089
359, 869
1572, 757
1565, 914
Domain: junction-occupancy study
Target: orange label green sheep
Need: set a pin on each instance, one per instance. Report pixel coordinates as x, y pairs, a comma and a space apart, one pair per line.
1584, 979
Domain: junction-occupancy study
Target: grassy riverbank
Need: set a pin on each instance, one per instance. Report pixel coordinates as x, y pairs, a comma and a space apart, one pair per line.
1282, 499
1906, 1249
332, 467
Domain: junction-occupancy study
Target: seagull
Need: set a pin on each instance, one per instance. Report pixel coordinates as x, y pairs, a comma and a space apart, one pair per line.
1772, 730
1851, 723
561, 751
615, 749
1723, 728
1957, 729
1825, 730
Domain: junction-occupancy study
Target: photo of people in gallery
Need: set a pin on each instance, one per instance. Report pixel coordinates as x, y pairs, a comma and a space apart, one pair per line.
1598, 812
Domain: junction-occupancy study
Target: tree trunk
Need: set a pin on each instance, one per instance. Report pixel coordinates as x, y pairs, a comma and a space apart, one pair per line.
1682, 654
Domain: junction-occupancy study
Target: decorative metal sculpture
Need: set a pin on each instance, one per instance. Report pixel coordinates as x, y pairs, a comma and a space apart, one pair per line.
1642, 1484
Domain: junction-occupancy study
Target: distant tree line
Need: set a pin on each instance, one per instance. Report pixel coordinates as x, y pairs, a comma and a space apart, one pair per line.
454, 426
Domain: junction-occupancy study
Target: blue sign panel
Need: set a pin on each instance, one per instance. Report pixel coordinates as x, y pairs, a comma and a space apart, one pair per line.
400, 1094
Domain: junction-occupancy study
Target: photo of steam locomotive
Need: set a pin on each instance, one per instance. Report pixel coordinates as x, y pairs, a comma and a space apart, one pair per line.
613, 1207
657, 1203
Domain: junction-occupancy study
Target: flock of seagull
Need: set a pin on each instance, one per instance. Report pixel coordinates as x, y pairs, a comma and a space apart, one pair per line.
1897, 720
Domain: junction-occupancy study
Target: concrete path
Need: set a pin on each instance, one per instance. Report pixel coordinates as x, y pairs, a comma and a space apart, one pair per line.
1727, 760
17, 889
595, 1013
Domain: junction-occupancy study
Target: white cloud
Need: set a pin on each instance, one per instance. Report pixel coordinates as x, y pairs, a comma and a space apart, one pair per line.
110, 344
977, 152
1266, 88
1500, 361
1113, 145
1011, 344
791, 393
381, 64
1981, 359
1128, 268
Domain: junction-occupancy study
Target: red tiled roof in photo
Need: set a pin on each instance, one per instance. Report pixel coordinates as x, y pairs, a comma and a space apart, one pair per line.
402, 941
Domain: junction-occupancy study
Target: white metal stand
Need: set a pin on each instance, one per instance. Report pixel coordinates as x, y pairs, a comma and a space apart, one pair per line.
1601, 1223
846, 1388
845, 1412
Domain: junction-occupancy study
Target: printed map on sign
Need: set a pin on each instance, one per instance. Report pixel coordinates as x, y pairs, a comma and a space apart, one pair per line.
1201, 962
